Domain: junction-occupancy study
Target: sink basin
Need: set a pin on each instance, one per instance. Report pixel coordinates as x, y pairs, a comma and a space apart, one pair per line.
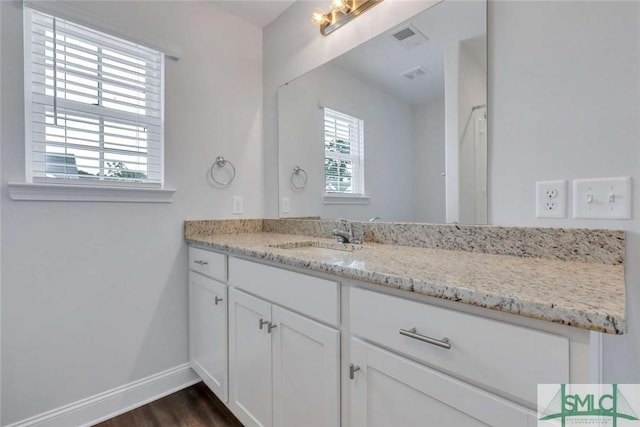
318, 246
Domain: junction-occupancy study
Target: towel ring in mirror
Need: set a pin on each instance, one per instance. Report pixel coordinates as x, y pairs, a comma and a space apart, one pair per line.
302, 174
220, 163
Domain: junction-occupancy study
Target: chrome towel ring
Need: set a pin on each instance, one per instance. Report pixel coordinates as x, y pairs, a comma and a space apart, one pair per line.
302, 174
220, 163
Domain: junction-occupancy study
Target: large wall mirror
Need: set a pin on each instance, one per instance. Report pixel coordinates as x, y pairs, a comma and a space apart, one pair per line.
394, 129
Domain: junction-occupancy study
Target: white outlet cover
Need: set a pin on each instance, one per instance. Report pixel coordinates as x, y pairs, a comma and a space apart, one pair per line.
285, 205
238, 205
602, 198
544, 199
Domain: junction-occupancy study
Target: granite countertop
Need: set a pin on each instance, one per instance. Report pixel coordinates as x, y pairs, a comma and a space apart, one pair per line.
579, 294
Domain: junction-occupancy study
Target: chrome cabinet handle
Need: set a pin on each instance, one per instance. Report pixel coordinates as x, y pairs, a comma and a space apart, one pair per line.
411, 333
217, 300
200, 262
352, 370
271, 326
263, 322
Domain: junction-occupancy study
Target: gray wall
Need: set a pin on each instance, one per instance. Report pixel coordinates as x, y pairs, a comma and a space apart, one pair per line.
564, 102
94, 295
428, 162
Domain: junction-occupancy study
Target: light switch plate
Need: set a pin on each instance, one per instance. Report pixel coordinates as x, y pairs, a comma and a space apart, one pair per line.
238, 205
551, 199
602, 198
285, 205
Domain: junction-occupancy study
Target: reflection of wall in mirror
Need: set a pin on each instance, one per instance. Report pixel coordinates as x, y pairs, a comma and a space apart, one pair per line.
394, 160
466, 148
429, 166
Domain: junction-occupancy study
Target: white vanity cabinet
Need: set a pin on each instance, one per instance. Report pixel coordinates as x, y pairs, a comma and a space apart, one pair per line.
306, 372
284, 367
465, 370
250, 385
208, 326
392, 360
208, 332
494, 355
390, 390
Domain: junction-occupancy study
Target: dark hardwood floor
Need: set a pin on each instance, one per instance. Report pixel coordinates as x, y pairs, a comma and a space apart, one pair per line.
195, 406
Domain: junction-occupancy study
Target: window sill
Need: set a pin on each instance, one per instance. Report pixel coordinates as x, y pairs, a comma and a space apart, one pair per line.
87, 193
345, 199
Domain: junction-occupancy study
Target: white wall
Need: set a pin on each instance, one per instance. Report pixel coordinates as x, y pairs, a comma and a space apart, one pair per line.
564, 102
452, 130
1, 133
465, 87
429, 162
94, 295
472, 92
388, 148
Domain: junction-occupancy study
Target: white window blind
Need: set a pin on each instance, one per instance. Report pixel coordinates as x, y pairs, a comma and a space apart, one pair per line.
94, 108
343, 153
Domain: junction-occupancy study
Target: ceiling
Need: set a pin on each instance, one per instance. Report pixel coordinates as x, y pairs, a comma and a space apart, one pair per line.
382, 60
257, 12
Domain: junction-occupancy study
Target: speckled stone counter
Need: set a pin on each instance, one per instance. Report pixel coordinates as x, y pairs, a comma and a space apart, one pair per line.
588, 295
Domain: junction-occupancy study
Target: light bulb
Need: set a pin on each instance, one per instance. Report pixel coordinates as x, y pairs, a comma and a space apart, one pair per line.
318, 17
339, 5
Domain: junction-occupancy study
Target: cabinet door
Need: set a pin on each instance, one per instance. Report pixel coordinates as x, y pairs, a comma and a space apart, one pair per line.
208, 332
306, 372
249, 359
389, 390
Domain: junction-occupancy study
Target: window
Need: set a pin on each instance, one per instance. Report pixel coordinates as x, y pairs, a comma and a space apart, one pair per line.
94, 107
343, 153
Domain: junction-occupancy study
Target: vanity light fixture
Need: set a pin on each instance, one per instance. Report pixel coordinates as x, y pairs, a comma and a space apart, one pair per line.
342, 11
340, 5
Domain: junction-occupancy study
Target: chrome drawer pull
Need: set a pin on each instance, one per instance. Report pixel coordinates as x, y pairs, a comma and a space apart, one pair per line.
271, 326
263, 322
217, 300
200, 262
352, 370
411, 333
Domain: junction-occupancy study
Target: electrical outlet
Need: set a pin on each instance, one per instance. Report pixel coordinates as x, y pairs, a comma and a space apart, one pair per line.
551, 193
238, 205
551, 199
285, 205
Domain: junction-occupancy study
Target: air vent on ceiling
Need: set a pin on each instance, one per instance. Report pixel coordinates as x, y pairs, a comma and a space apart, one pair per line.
403, 34
414, 73
409, 36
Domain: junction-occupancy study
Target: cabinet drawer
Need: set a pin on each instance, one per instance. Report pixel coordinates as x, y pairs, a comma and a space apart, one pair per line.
209, 263
389, 390
312, 296
503, 357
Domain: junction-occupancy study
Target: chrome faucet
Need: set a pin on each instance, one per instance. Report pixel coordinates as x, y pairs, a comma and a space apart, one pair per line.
347, 236
342, 236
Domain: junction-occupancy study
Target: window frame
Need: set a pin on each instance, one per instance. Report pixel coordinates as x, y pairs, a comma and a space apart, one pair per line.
50, 188
358, 160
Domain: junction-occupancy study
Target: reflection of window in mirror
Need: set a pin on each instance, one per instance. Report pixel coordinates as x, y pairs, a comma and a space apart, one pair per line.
343, 153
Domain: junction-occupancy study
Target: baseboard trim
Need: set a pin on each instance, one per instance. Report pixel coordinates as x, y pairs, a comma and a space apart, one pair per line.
102, 406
